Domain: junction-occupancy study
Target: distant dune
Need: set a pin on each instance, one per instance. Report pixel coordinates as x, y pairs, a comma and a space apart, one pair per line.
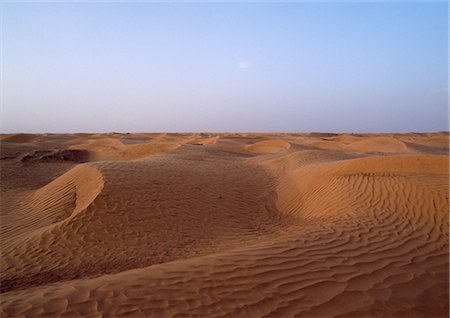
269, 146
378, 144
235, 225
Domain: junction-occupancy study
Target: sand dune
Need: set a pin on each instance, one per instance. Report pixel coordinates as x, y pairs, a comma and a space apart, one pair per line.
113, 149
345, 138
439, 141
18, 138
229, 225
377, 144
204, 141
327, 145
269, 146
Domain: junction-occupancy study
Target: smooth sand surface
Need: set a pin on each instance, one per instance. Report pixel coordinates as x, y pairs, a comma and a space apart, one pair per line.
231, 224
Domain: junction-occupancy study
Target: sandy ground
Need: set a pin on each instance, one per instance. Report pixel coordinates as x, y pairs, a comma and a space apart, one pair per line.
212, 225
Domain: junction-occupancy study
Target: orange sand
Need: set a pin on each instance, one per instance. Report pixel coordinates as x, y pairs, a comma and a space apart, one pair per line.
279, 225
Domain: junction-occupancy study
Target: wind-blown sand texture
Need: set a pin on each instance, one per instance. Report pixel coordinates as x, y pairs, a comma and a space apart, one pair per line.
231, 224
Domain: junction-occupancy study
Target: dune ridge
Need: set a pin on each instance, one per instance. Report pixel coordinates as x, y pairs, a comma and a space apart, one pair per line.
233, 225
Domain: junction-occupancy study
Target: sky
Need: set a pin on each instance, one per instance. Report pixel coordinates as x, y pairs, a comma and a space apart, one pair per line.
248, 67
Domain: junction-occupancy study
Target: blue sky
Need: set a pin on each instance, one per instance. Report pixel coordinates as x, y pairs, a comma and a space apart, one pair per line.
97, 67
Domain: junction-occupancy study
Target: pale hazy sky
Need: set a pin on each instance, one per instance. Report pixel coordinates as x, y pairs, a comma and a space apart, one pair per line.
95, 67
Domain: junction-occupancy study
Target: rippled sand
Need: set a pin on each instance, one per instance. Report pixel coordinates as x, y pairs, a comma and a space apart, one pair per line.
279, 225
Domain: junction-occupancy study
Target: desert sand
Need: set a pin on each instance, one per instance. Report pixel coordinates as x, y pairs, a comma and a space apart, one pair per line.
230, 224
